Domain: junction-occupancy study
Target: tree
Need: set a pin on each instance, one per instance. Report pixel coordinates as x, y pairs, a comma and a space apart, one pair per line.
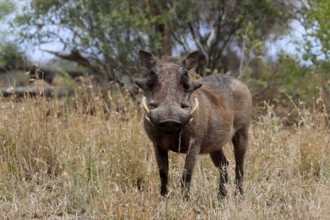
10, 56
314, 18
104, 36
223, 29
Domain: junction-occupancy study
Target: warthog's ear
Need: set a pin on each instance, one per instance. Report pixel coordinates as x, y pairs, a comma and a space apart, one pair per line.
191, 60
147, 60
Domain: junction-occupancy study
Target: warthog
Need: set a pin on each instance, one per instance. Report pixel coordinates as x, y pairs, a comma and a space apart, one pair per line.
191, 116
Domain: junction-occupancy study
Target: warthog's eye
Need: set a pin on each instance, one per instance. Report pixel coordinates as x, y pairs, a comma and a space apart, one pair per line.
185, 79
152, 78
185, 105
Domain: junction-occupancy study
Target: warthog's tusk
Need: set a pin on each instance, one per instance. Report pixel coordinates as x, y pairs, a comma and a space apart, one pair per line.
144, 104
148, 119
195, 107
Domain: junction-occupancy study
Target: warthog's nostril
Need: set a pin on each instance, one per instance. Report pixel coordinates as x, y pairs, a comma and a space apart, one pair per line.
153, 104
170, 124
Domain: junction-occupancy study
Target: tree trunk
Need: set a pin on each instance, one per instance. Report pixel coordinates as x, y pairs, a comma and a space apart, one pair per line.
164, 31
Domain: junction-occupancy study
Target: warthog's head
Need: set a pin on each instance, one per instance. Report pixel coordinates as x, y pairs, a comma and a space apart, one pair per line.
167, 90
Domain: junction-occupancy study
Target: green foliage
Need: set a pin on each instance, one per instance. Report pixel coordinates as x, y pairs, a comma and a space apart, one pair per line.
317, 24
10, 56
294, 75
108, 33
64, 79
218, 28
104, 36
6, 7
280, 79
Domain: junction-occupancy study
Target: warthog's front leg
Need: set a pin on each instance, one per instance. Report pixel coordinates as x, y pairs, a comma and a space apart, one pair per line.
189, 168
162, 162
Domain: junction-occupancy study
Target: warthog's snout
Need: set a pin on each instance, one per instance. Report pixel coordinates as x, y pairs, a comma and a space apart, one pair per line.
170, 119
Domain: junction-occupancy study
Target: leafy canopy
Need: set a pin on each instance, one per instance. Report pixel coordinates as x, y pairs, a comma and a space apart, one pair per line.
315, 19
104, 36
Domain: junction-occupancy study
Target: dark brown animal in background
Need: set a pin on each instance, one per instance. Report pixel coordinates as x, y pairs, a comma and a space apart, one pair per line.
192, 116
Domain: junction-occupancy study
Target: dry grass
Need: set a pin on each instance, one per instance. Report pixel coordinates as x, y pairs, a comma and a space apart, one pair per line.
74, 165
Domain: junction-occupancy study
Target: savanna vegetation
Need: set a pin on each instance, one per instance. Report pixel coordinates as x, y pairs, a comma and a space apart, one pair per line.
57, 162
86, 156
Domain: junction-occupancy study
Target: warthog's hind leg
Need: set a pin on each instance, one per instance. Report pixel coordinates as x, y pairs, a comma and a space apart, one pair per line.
220, 161
162, 162
240, 141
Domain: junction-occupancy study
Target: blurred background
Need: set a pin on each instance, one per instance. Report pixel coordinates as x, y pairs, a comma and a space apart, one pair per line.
280, 48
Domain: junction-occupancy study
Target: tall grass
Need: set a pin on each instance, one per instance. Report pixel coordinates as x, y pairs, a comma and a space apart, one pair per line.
56, 161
